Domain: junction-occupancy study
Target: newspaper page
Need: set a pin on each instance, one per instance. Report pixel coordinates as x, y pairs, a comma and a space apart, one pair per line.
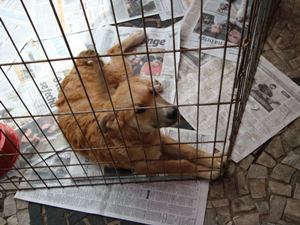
162, 64
205, 91
162, 203
14, 19
214, 27
274, 102
151, 203
72, 19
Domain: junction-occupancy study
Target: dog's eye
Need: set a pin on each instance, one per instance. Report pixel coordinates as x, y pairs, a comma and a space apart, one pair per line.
139, 109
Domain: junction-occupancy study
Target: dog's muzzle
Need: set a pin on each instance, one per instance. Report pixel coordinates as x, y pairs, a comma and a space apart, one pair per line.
173, 113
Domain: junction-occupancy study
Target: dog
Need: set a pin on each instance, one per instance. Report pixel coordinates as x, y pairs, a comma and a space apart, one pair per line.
125, 138
241, 11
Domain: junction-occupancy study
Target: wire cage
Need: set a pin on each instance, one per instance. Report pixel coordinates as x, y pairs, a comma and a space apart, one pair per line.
35, 146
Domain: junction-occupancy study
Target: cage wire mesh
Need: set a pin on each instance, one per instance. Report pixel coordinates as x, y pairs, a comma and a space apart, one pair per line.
38, 153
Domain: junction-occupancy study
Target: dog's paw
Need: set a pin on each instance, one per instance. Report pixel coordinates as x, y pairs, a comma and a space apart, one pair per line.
87, 61
138, 37
215, 161
157, 86
209, 175
219, 160
87, 53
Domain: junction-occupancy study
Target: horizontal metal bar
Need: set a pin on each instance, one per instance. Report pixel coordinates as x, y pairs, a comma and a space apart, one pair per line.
103, 163
125, 180
116, 109
117, 147
112, 55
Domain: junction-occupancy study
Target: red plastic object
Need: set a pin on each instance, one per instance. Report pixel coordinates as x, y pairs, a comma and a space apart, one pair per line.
9, 144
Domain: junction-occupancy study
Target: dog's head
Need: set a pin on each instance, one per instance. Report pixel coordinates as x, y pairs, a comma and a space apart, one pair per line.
145, 96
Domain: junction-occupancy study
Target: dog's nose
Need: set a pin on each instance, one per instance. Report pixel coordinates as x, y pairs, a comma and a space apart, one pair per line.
172, 113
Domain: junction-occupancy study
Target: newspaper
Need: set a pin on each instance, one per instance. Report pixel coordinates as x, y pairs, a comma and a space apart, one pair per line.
151, 203
163, 67
72, 18
14, 20
214, 27
173, 203
41, 73
274, 102
205, 92
39, 140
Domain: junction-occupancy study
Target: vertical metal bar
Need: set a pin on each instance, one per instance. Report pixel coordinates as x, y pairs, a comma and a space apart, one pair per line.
129, 87
106, 85
241, 82
81, 81
221, 84
176, 81
234, 84
245, 66
199, 78
151, 75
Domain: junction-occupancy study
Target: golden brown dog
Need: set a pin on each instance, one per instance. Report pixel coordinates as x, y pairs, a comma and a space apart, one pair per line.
125, 138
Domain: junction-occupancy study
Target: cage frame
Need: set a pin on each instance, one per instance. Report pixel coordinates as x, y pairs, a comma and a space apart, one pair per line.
248, 55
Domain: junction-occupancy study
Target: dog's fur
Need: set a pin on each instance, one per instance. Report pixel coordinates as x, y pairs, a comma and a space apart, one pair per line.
148, 157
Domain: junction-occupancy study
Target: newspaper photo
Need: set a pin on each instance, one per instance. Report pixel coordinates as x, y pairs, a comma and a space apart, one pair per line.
173, 203
214, 28
49, 172
36, 141
274, 102
39, 139
162, 65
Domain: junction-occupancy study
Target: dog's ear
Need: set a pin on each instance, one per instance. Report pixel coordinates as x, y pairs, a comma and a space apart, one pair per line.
109, 121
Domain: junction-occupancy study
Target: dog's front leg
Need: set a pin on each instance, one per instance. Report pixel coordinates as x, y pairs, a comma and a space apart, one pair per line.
172, 148
175, 167
130, 42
